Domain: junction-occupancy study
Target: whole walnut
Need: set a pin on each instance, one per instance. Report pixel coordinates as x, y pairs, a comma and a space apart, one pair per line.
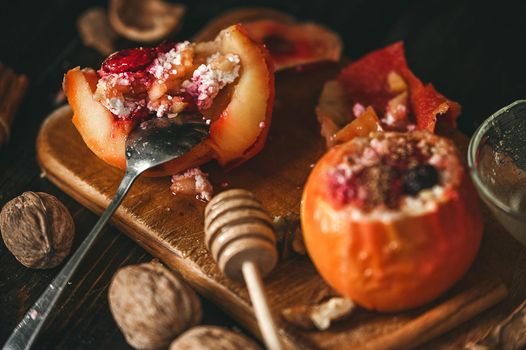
151, 305
38, 229
212, 337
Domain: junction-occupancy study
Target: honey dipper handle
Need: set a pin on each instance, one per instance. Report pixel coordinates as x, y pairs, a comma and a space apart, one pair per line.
264, 317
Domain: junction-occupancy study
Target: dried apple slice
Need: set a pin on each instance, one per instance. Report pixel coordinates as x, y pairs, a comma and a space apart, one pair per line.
383, 81
296, 44
238, 129
363, 125
378, 77
290, 43
243, 16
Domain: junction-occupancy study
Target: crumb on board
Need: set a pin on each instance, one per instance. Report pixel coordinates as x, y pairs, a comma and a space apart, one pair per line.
192, 182
319, 316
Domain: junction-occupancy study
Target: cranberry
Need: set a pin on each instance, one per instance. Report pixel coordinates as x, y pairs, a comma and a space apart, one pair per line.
343, 189
419, 178
129, 60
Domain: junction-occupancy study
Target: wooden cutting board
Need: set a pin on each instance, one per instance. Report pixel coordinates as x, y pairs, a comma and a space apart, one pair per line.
172, 229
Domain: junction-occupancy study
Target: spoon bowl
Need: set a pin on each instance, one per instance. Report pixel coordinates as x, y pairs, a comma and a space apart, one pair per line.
159, 140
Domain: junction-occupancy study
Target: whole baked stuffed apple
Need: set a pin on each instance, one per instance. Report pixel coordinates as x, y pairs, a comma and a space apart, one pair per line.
229, 81
391, 220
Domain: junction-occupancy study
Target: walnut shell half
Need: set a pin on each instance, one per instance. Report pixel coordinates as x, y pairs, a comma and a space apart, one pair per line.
151, 305
145, 20
38, 229
211, 337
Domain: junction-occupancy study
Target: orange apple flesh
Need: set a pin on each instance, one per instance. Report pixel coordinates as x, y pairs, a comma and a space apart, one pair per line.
102, 134
246, 118
365, 124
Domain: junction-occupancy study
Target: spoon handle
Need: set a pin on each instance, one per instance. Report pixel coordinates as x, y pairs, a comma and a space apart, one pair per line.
27, 330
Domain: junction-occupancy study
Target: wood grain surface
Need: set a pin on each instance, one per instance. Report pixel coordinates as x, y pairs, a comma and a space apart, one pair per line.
471, 50
172, 228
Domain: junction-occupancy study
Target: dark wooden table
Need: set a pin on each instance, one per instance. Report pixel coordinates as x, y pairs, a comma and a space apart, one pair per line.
472, 52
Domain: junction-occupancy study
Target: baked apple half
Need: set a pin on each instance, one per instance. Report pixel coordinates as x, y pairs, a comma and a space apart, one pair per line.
391, 220
229, 80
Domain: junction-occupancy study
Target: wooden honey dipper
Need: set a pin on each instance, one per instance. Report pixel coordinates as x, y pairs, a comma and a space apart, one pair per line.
240, 236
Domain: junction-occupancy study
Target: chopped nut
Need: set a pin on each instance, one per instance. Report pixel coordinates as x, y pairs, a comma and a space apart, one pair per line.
192, 182
396, 83
397, 111
95, 31
288, 231
319, 316
38, 229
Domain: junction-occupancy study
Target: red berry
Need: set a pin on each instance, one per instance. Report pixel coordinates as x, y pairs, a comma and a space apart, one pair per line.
129, 60
419, 178
344, 189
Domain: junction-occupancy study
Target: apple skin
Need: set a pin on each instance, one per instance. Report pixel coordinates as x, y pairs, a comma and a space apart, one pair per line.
238, 132
241, 131
389, 265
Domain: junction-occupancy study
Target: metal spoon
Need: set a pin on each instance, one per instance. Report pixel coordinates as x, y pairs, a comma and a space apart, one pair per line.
154, 142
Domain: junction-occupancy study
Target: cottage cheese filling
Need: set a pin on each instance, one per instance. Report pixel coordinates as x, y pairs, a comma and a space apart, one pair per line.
207, 80
174, 81
393, 174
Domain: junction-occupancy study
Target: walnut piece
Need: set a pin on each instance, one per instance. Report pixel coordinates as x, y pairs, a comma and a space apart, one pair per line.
290, 237
151, 305
211, 337
38, 229
319, 316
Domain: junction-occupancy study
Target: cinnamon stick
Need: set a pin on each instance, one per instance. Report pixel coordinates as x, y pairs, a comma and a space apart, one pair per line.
510, 334
442, 318
12, 90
